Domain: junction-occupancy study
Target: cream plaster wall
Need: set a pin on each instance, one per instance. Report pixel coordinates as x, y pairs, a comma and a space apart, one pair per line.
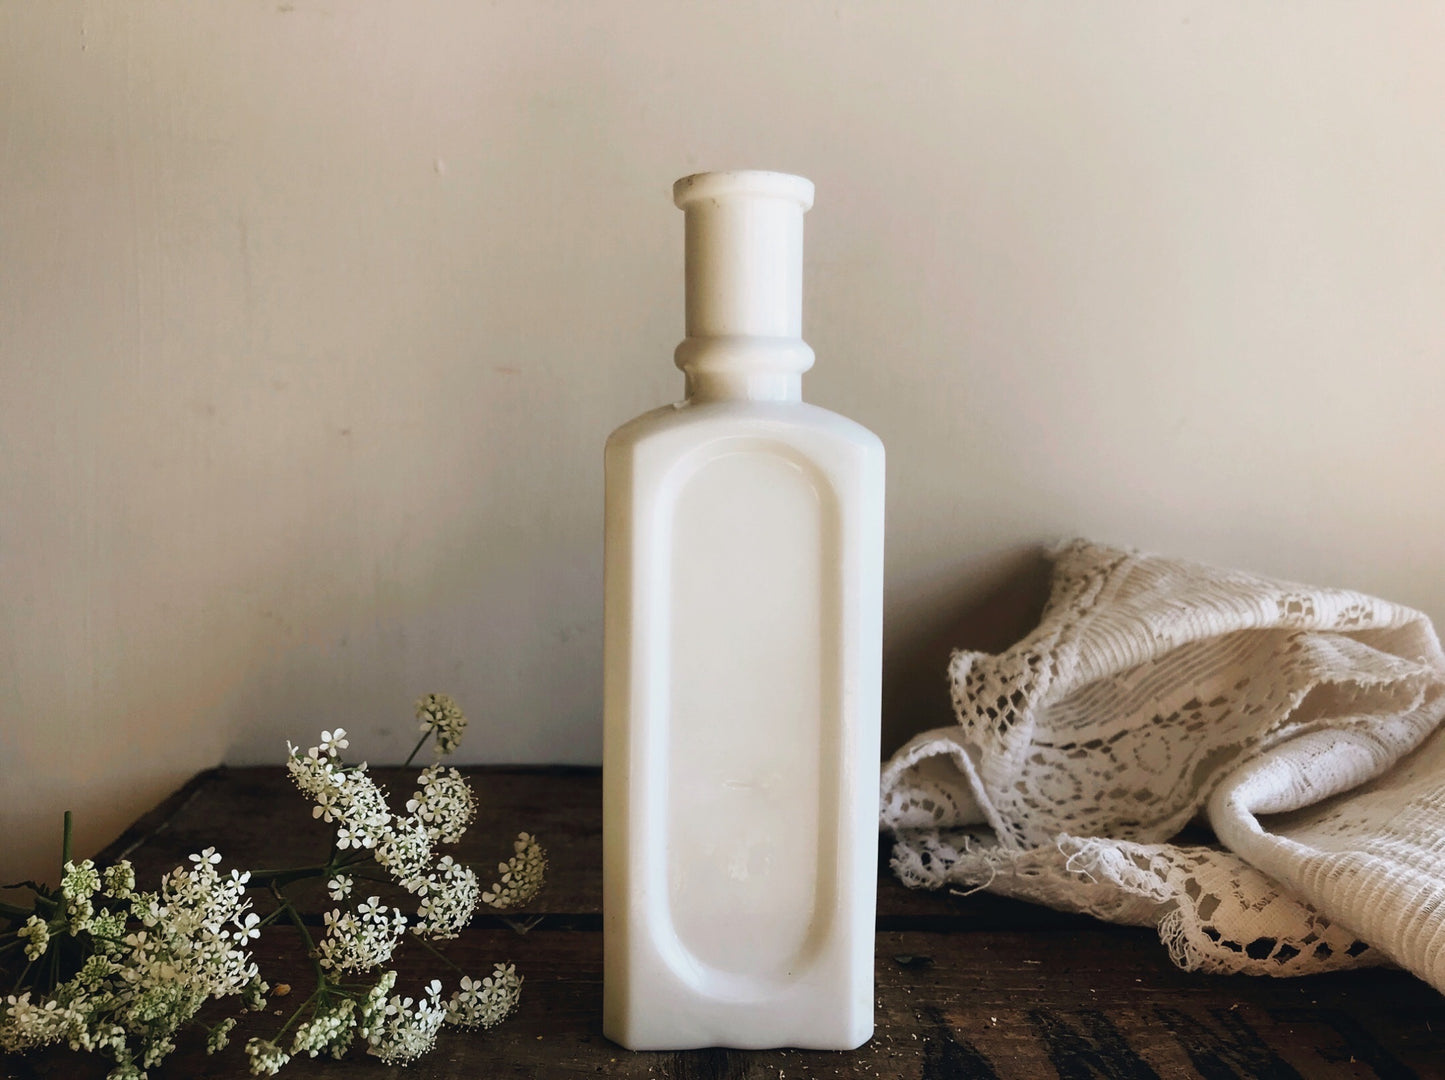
314, 317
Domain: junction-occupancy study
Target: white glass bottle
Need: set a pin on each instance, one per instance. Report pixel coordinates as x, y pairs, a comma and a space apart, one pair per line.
744, 571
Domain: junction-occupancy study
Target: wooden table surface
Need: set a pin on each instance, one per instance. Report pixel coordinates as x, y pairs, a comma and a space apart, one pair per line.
975, 987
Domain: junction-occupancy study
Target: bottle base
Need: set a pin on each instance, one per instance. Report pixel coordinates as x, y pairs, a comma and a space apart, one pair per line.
655, 1041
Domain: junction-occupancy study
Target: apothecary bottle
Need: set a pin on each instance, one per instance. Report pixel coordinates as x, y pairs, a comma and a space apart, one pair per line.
744, 565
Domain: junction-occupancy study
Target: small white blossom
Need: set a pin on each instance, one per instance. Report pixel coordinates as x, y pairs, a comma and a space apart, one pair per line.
352, 836
333, 741
328, 806
522, 876
485, 1003
440, 714
156, 1049
247, 929
339, 887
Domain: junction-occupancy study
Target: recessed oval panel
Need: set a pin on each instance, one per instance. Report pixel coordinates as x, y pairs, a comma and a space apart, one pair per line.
754, 640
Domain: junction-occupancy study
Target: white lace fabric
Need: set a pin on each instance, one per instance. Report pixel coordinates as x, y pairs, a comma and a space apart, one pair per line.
1303, 725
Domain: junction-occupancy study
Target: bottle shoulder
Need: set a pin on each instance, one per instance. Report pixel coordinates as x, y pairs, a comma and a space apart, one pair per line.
693, 423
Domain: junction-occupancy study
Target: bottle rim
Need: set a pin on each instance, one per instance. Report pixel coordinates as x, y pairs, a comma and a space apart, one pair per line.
752, 183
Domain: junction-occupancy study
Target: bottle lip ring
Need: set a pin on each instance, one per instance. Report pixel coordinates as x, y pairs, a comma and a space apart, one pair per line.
755, 183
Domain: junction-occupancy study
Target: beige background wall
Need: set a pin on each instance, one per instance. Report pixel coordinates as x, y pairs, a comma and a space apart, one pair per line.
314, 317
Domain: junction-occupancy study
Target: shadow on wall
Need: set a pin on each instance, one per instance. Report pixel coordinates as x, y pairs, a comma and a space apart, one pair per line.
983, 607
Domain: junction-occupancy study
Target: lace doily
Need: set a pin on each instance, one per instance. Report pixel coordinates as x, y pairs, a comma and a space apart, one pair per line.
1302, 724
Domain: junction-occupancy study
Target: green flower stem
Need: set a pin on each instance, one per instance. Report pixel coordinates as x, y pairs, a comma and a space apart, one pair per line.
65, 843
382, 878
429, 947
297, 1014
10, 911
295, 917
52, 975
274, 878
417, 748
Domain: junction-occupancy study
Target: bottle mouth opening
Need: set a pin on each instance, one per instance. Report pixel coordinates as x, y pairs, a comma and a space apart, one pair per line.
752, 183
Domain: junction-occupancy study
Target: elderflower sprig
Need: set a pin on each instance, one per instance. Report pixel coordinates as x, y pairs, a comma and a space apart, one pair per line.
442, 716
522, 875
140, 965
37, 931
153, 960
404, 1032
444, 803
485, 1003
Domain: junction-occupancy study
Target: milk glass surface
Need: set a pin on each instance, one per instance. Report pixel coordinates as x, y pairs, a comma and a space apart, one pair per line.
743, 644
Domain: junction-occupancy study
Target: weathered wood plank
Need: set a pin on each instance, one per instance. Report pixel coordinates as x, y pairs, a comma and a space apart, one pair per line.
975, 987
1023, 1005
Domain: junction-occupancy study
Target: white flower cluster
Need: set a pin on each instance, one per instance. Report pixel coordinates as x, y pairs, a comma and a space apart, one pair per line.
403, 850
328, 1031
444, 803
119, 879
37, 931
79, 884
348, 796
373, 1006
219, 1036
402, 845
485, 1003
440, 714
266, 1057
362, 939
522, 875
148, 961
449, 896
158, 957
402, 1032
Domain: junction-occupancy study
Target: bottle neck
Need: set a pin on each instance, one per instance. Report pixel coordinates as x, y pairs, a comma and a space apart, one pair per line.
744, 286
739, 367
719, 386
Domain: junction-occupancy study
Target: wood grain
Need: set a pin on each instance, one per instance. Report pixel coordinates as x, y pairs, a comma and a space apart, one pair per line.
975, 987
